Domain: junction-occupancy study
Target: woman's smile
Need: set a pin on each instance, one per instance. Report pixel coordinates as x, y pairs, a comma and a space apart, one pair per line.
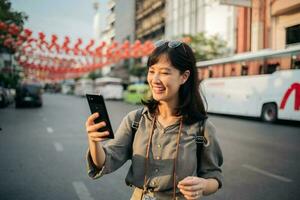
158, 89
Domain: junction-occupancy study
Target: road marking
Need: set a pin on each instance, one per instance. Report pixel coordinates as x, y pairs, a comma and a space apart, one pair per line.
59, 147
49, 130
281, 178
82, 191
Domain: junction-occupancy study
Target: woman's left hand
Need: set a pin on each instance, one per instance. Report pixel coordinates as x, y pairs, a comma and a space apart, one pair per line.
192, 187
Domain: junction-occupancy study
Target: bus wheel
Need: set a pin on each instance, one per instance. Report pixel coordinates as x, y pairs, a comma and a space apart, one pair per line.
269, 112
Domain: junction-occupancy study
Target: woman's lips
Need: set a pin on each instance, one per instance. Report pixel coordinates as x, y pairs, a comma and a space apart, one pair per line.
158, 89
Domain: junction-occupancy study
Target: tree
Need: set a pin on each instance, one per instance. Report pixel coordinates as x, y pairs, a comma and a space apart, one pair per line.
95, 74
9, 76
9, 16
207, 47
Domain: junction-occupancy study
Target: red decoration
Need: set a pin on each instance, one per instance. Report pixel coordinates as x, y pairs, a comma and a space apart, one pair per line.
54, 61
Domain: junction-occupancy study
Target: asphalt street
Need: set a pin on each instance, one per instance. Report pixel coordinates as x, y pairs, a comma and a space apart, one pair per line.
42, 155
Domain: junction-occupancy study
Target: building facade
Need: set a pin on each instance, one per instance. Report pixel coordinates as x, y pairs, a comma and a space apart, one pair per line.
150, 19
271, 24
195, 16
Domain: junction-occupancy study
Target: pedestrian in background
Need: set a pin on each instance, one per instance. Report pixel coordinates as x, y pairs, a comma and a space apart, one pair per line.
163, 150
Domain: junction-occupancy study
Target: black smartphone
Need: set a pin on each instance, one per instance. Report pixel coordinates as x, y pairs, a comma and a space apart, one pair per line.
97, 104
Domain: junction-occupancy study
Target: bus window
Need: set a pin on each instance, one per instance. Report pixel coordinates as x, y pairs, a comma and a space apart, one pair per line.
244, 71
295, 62
271, 68
261, 69
210, 73
232, 73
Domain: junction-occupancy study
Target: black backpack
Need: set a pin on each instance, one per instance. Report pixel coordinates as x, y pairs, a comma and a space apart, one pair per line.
199, 138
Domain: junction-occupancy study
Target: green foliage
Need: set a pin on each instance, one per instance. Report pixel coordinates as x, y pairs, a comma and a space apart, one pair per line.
10, 80
8, 15
208, 47
95, 74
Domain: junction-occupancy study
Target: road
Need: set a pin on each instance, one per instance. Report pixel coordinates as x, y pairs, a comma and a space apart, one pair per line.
42, 153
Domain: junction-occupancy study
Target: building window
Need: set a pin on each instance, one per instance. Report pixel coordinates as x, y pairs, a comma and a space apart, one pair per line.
293, 34
245, 70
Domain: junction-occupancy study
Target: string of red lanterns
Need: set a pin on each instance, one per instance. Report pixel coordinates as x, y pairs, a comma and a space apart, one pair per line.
46, 58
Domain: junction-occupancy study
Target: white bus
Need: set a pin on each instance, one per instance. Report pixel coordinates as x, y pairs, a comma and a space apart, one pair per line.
269, 88
109, 87
84, 86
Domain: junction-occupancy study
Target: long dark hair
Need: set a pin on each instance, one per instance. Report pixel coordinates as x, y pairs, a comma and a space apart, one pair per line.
191, 105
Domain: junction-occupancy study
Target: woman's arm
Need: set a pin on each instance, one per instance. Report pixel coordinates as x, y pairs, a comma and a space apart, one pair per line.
94, 140
106, 158
212, 185
97, 153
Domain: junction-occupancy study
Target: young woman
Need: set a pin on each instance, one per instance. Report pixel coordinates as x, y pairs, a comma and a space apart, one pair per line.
164, 149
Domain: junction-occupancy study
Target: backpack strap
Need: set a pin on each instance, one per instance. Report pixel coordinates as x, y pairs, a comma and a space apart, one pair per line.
135, 125
200, 141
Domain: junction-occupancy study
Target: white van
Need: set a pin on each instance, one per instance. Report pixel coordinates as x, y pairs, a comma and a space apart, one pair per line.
109, 87
84, 86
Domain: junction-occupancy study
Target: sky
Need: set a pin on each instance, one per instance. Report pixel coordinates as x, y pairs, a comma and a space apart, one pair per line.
73, 18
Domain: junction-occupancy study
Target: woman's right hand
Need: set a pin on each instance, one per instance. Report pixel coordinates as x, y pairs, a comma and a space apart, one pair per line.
92, 129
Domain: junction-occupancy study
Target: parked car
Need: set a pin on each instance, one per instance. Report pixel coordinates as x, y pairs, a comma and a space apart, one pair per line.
29, 94
4, 99
11, 94
135, 93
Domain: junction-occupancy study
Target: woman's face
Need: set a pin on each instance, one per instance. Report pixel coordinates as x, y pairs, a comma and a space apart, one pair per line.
164, 80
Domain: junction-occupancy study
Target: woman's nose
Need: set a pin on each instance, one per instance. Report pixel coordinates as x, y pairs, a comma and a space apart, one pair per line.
156, 77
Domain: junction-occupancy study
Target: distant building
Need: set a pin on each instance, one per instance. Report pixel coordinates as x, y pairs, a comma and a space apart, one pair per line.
119, 28
125, 20
97, 20
124, 30
109, 32
150, 19
194, 16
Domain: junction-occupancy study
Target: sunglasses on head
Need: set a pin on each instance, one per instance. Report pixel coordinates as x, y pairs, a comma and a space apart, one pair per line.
171, 44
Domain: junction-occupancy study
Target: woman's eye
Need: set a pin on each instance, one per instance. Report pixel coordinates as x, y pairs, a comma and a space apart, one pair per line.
151, 72
165, 73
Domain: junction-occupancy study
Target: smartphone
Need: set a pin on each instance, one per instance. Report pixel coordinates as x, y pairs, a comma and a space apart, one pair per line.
97, 104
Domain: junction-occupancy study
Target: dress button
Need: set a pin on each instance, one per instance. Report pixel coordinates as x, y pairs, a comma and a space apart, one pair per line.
157, 158
154, 183
156, 170
159, 146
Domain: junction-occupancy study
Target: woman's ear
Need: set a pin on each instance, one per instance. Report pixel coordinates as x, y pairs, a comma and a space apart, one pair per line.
185, 76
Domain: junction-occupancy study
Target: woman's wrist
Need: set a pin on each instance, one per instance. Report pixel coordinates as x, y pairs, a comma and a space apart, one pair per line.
97, 153
211, 186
